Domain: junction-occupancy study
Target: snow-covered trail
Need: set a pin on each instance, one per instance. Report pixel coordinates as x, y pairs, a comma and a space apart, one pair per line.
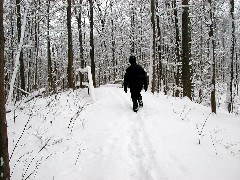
69, 137
152, 144
128, 145
121, 149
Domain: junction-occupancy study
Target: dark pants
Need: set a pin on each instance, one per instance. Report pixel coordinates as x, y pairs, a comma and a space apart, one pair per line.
136, 94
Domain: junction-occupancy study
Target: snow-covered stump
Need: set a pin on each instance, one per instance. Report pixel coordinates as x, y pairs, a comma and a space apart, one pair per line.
87, 70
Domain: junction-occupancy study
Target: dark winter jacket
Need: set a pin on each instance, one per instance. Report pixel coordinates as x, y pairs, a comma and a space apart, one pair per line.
135, 78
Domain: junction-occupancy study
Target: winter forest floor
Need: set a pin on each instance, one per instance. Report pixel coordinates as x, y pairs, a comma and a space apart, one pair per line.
70, 137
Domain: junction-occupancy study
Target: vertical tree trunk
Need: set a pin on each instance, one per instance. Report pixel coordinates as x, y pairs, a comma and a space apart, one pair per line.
186, 51
132, 35
19, 25
103, 46
212, 56
153, 12
200, 93
230, 103
70, 49
177, 50
114, 63
80, 39
4, 156
50, 71
92, 44
160, 67
36, 31
16, 63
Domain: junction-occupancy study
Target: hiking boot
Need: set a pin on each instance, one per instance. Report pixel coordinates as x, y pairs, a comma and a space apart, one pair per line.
140, 102
135, 105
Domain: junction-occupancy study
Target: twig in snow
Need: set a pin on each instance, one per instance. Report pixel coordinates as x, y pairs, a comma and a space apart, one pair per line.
44, 145
77, 115
184, 113
25, 172
213, 143
32, 96
24, 129
200, 135
29, 164
79, 152
12, 169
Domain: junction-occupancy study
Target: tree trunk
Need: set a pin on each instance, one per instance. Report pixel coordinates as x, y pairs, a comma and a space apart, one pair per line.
177, 50
19, 25
80, 39
36, 31
102, 75
16, 63
92, 44
132, 35
230, 103
114, 63
50, 71
153, 80
4, 156
186, 51
70, 49
160, 66
212, 56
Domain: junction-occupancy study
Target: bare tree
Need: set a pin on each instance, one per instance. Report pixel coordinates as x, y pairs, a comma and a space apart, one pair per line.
51, 83
19, 26
92, 43
4, 157
230, 103
153, 15
186, 51
159, 51
178, 58
132, 35
70, 47
80, 37
212, 55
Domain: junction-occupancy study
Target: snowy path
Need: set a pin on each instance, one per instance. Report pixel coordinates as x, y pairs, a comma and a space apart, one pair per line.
67, 137
143, 145
121, 146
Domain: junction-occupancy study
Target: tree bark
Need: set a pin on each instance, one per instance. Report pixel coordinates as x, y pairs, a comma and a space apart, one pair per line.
114, 62
160, 66
230, 103
36, 31
80, 39
132, 35
186, 51
212, 52
50, 69
70, 49
19, 26
92, 43
153, 14
4, 156
177, 50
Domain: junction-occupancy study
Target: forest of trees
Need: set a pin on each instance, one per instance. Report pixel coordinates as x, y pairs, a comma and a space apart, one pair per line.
189, 48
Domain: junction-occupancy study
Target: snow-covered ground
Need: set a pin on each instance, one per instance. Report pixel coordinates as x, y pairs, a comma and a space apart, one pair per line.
71, 137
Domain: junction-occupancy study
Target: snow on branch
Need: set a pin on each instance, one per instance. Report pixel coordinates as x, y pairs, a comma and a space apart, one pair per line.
30, 97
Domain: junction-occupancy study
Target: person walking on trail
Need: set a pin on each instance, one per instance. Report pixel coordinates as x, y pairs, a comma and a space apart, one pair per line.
135, 78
